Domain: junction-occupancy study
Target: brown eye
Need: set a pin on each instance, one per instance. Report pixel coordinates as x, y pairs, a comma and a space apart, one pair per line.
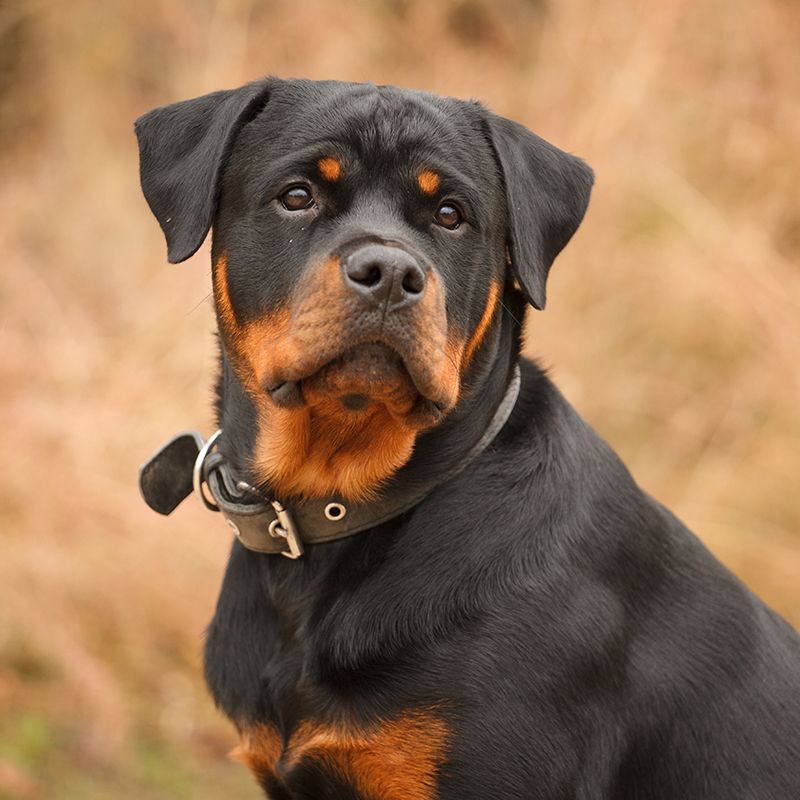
297, 198
448, 216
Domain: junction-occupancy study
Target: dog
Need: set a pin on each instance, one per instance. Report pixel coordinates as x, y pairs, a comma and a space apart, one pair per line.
478, 601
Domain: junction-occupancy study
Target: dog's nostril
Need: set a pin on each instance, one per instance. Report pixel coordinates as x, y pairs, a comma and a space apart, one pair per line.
370, 276
414, 281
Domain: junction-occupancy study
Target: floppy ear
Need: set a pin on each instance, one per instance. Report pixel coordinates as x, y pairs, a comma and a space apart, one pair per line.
547, 192
182, 148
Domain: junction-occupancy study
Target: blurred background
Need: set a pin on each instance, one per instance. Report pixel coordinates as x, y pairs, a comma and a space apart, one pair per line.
673, 321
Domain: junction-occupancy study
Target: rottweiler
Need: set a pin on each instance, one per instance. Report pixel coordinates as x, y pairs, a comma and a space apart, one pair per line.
443, 583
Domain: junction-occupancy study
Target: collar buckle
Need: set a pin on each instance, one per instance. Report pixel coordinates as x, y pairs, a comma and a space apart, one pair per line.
284, 528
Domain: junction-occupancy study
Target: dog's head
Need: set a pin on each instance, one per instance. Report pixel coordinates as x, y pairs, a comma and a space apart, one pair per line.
364, 240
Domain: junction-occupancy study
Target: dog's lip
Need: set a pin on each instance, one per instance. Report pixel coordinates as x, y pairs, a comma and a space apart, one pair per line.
288, 392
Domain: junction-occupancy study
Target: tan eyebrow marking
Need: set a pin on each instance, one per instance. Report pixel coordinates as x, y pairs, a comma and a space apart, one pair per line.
428, 181
330, 167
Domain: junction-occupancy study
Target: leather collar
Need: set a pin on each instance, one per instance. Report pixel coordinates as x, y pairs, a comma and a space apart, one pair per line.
187, 461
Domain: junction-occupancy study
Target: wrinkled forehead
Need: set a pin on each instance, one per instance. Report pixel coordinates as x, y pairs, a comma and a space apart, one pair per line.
371, 124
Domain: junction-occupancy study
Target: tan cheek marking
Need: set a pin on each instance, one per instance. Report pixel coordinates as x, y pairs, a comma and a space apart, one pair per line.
225, 316
428, 182
451, 374
256, 347
443, 353
330, 168
484, 322
281, 339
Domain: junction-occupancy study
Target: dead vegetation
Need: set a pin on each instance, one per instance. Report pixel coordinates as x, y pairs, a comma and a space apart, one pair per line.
673, 321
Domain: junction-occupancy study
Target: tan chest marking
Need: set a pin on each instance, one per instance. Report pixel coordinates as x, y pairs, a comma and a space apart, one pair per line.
395, 759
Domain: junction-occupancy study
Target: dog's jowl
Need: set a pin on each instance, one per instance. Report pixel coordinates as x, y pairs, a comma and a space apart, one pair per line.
478, 601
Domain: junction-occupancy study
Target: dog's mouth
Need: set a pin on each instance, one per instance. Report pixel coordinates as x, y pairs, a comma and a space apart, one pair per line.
363, 376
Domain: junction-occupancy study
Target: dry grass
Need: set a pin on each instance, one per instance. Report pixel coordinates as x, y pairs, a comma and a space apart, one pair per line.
673, 322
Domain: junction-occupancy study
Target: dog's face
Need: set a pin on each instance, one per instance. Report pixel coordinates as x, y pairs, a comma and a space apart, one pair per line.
362, 238
357, 267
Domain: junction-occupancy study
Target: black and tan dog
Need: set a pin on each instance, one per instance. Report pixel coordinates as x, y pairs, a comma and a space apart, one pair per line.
479, 601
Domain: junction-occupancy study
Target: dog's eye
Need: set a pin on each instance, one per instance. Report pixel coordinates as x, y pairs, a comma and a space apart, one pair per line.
297, 198
448, 216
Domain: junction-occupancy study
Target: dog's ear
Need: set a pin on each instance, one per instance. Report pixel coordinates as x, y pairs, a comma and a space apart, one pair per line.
547, 192
182, 148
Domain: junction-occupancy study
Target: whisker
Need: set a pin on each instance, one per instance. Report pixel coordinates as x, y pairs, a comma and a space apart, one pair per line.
191, 311
509, 312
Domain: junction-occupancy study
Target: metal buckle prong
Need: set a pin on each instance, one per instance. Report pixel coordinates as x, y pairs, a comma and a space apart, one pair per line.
285, 528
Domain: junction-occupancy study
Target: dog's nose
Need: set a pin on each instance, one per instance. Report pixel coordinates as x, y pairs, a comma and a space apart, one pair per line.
385, 275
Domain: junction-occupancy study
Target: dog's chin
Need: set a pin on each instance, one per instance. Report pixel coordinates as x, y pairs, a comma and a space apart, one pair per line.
362, 377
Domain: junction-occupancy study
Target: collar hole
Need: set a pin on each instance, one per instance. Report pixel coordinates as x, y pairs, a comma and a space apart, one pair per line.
335, 511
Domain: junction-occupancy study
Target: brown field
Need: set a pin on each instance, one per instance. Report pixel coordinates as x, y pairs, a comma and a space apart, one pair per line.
673, 321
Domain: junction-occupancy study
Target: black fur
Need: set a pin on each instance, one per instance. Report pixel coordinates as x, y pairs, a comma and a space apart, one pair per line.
577, 640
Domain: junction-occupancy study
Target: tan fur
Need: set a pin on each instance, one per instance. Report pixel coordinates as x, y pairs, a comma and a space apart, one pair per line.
483, 324
395, 759
330, 168
428, 182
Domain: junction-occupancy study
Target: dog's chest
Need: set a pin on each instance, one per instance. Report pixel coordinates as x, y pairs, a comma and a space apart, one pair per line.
328, 730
